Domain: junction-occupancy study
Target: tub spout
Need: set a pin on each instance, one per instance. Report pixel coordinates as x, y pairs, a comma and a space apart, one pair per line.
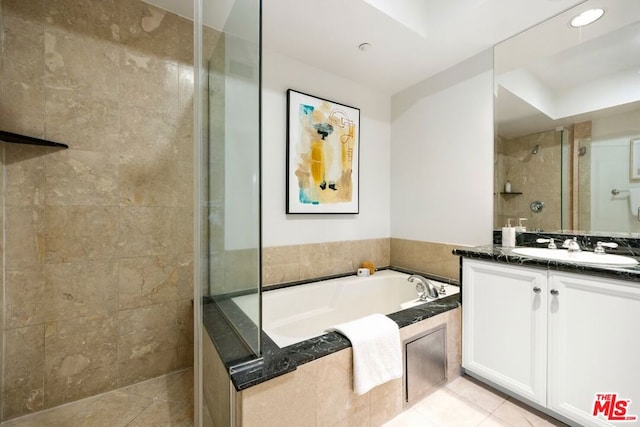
425, 288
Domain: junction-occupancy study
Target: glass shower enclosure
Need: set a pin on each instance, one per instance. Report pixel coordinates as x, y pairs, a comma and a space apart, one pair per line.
227, 147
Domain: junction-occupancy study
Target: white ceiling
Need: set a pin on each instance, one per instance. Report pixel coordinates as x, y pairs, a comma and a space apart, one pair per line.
554, 75
411, 40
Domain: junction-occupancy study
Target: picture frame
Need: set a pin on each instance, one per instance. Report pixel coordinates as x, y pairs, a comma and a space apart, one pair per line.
634, 159
323, 156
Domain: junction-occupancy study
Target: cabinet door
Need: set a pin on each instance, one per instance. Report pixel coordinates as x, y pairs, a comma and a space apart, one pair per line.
504, 329
593, 346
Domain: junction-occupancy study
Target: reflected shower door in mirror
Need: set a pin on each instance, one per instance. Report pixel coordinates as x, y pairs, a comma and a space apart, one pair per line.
567, 106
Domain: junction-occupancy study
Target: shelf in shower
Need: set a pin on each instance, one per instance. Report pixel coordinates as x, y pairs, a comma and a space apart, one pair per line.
515, 193
23, 139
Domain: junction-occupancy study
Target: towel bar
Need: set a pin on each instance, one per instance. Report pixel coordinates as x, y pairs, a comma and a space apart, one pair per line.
615, 191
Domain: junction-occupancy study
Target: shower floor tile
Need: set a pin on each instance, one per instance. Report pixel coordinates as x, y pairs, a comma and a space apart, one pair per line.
162, 401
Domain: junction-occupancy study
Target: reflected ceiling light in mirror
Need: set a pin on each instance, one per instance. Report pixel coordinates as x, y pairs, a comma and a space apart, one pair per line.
587, 17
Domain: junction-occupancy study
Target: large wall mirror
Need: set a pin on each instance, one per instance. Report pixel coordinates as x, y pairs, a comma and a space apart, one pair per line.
567, 110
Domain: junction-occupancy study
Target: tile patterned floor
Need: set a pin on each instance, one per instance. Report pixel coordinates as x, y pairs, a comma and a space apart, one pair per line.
466, 402
168, 401
162, 401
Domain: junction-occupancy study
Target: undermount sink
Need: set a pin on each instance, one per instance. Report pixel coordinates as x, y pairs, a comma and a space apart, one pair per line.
582, 257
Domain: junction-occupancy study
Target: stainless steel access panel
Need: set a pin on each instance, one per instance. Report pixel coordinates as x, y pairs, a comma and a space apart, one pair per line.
426, 363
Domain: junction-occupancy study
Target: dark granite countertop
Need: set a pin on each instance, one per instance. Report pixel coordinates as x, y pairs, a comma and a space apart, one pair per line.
247, 370
505, 255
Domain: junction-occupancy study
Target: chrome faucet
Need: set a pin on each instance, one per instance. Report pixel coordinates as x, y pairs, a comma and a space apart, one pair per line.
424, 287
601, 245
571, 245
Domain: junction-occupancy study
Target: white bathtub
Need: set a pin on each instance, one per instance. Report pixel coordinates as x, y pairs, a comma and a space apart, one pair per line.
297, 313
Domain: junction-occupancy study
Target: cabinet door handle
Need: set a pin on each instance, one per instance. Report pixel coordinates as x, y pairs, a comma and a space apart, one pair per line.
555, 292
537, 290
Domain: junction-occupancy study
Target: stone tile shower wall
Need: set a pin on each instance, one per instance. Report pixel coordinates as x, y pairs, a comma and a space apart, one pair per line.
98, 260
536, 176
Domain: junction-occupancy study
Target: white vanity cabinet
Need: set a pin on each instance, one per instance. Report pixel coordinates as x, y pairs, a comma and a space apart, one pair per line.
504, 326
594, 345
553, 338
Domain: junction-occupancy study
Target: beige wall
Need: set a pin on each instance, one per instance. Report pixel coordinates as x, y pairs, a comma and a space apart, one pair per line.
98, 237
536, 176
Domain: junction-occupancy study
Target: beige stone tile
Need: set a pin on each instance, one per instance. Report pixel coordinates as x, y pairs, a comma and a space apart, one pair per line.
148, 329
269, 404
149, 365
112, 409
336, 399
184, 242
241, 268
173, 387
74, 233
360, 419
80, 357
23, 371
185, 105
51, 417
149, 30
24, 298
82, 121
184, 182
185, 322
151, 83
148, 340
409, 418
30, 11
385, 409
170, 414
144, 231
22, 85
81, 64
91, 19
444, 408
149, 180
81, 178
151, 280
281, 273
67, 388
24, 237
185, 37
476, 393
185, 357
516, 414
25, 180
492, 421
277, 255
144, 130
85, 288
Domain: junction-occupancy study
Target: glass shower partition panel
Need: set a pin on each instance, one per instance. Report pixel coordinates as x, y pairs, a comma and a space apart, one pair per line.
229, 161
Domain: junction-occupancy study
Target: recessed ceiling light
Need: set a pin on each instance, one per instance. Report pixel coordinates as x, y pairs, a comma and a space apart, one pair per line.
587, 17
364, 46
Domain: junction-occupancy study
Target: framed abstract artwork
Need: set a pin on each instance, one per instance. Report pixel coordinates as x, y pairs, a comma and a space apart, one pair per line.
323, 145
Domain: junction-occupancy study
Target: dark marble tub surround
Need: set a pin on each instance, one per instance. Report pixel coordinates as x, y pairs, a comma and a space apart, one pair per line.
505, 255
247, 370
627, 245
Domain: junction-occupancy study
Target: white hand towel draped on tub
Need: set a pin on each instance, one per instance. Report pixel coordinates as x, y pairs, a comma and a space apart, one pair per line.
377, 355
